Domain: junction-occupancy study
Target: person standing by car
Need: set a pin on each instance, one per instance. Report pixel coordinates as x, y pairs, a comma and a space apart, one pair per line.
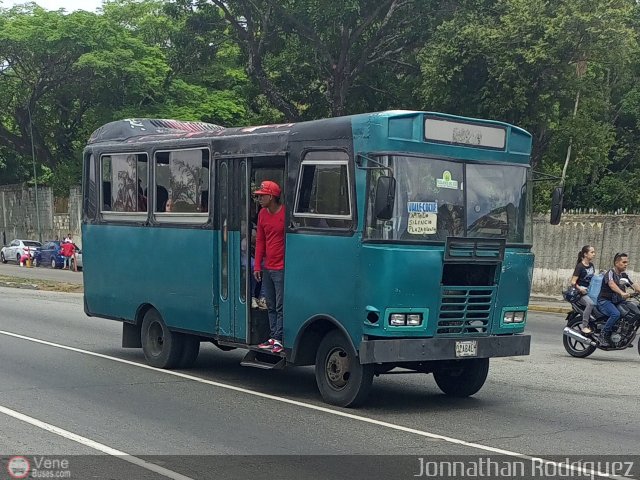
270, 246
581, 279
67, 249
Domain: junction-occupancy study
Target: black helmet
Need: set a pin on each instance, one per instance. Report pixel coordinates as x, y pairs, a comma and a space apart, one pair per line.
571, 294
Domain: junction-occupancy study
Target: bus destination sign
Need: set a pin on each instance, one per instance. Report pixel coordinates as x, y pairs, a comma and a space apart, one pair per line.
459, 133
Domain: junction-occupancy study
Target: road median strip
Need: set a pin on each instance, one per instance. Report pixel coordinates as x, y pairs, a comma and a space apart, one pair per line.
39, 284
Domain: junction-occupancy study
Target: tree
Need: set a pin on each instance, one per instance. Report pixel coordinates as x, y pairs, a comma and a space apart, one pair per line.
516, 60
307, 56
62, 75
204, 79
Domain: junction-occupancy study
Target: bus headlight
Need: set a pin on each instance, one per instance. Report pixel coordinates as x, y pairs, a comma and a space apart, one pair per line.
409, 319
514, 317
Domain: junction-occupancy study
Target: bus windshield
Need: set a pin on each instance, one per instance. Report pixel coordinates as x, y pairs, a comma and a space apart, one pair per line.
436, 199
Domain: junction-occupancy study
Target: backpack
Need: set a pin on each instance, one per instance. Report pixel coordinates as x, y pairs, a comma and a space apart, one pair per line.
595, 286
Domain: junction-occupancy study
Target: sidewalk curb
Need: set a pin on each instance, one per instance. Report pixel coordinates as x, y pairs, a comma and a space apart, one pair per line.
541, 308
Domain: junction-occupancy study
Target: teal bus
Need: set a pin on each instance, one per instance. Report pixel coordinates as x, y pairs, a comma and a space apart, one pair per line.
408, 243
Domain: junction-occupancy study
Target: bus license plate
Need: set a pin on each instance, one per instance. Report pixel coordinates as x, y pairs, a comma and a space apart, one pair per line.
467, 348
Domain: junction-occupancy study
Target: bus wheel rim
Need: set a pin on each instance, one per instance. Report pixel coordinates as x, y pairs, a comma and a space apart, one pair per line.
156, 338
337, 368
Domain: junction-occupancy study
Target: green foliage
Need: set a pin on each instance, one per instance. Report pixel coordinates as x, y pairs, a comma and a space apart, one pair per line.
266, 61
525, 62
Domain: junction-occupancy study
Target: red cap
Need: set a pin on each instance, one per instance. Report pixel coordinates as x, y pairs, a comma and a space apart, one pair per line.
268, 188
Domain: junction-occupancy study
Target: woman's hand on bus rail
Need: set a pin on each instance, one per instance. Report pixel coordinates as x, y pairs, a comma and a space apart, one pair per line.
258, 276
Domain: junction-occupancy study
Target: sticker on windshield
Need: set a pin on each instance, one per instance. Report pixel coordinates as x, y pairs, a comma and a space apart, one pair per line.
446, 181
422, 207
422, 223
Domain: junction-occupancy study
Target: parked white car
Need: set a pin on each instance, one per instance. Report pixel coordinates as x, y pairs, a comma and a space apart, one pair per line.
17, 248
78, 259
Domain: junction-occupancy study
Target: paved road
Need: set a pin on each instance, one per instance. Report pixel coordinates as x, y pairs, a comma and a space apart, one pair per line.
545, 404
43, 273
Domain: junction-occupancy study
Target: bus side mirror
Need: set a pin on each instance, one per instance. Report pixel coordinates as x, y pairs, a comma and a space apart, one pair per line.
385, 197
556, 205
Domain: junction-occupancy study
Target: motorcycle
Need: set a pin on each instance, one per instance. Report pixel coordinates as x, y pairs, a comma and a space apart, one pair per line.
581, 345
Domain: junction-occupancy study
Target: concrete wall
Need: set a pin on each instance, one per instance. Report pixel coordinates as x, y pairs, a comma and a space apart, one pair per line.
19, 216
556, 246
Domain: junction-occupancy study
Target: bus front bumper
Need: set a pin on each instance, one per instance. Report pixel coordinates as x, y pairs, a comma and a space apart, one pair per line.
428, 349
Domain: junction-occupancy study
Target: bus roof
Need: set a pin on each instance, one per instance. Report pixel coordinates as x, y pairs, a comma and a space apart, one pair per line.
145, 129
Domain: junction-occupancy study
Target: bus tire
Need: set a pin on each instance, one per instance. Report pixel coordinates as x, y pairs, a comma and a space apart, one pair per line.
191, 349
162, 348
462, 378
341, 379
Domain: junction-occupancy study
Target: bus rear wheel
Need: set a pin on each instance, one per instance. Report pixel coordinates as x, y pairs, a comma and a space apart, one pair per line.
341, 379
162, 348
462, 378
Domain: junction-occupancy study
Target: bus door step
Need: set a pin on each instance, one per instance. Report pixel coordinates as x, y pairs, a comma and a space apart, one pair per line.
263, 360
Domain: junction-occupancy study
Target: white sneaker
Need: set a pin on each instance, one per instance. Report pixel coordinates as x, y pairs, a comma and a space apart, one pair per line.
254, 302
262, 304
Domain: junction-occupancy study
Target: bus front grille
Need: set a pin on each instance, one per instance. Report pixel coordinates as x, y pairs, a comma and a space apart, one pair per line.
465, 310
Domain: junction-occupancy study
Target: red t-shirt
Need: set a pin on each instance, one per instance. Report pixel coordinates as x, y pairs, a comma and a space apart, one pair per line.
67, 249
270, 240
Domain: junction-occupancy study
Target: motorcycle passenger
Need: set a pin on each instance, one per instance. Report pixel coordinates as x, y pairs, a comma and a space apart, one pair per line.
612, 295
581, 279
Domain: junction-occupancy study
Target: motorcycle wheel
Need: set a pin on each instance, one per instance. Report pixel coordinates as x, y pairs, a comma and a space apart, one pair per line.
574, 347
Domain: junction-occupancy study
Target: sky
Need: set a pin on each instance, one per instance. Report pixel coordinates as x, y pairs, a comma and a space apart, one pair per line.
68, 5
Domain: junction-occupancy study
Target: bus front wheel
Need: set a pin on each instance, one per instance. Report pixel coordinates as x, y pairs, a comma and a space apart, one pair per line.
162, 348
462, 378
341, 379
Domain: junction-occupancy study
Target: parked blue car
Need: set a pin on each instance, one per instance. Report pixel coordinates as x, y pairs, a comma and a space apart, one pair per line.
49, 255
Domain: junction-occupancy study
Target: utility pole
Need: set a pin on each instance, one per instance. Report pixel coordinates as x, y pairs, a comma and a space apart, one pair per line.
35, 175
581, 68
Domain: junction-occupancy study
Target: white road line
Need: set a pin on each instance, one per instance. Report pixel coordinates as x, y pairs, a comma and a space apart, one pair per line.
92, 444
577, 469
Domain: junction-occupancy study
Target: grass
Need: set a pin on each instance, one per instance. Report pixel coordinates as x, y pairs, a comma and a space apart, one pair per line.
38, 284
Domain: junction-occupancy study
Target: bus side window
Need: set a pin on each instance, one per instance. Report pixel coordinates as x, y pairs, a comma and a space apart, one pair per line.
182, 181
324, 191
123, 179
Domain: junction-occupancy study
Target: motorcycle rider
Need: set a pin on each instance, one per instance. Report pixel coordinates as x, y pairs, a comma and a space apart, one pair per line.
581, 278
612, 295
